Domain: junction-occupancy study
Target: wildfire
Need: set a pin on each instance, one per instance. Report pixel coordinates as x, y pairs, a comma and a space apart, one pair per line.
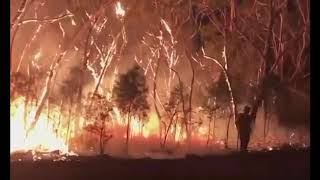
52, 132
56, 129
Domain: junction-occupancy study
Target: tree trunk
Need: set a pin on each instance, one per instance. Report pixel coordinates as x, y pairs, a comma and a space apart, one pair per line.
175, 128
140, 125
69, 120
265, 117
101, 142
48, 112
25, 113
209, 132
26, 102
101, 138
155, 98
190, 100
128, 129
269, 118
168, 129
227, 134
214, 127
59, 119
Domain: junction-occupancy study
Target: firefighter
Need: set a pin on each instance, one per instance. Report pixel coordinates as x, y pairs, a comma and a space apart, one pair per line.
243, 123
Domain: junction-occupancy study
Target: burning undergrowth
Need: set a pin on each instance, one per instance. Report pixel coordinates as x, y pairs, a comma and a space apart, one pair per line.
54, 136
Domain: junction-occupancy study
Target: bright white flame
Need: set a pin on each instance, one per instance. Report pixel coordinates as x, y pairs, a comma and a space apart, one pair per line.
73, 22
37, 56
43, 137
119, 10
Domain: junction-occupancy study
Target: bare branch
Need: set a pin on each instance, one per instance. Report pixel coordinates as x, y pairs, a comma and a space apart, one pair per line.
21, 11
47, 20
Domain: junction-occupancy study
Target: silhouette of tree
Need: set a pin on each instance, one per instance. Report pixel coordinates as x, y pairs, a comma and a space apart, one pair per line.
130, 95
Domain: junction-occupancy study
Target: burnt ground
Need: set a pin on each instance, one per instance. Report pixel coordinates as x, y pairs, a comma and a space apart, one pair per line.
284, 164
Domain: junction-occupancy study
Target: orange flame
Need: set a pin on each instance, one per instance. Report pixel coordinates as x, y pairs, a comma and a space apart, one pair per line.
54, 131
43, 137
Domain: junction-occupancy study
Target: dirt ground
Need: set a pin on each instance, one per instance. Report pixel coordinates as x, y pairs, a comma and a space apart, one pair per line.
292, 165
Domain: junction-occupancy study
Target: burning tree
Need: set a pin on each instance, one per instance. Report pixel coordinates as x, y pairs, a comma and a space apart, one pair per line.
21, 85
98, 112
130, 95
